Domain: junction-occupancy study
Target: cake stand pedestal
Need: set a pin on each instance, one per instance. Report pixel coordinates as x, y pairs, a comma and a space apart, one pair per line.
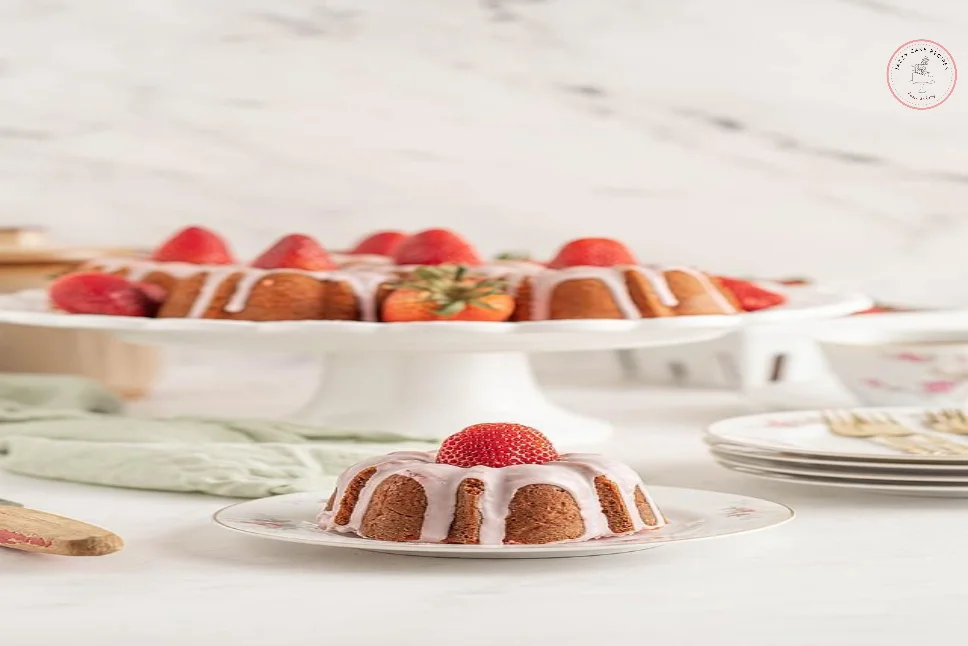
425, 381
433, 395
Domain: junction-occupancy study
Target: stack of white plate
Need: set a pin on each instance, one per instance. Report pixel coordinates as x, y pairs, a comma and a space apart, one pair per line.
798, 447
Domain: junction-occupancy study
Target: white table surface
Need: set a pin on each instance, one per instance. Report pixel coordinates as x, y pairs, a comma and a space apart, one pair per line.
851, 569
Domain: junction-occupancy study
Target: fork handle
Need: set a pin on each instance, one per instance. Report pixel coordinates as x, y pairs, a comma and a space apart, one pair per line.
942, 444
902, 444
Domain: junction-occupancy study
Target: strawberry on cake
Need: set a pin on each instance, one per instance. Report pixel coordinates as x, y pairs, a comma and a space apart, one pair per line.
490, 484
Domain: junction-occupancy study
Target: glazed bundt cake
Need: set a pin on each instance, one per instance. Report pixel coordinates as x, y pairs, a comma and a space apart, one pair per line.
490, 484
296, 279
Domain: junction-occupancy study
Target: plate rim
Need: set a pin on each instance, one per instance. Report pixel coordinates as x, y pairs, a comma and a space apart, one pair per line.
739, 450
833, 482
936, 480
365, 544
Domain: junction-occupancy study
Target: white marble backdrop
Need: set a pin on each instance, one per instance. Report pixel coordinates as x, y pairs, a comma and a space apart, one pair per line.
748, 136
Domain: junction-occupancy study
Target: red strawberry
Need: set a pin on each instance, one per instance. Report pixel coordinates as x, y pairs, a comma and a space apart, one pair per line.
593, 252
382, 243
295, 251
447, 294
751, 297
93, 293
195, 245
436, 247
496, 445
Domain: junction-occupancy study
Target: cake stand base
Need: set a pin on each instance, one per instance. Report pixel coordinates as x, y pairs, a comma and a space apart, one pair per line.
431, 396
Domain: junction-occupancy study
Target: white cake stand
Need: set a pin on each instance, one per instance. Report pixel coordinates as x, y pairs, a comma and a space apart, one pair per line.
428, 380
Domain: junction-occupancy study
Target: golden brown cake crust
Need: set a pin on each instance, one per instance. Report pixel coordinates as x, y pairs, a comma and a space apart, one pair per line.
694, 297
352, 495
396, 510
543, 513
522, 301
613, 507
466, 527
590, 298
281, 296
645, 512
583, 298
181, 297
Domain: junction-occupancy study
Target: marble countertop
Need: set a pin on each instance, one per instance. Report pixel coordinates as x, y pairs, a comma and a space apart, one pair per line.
852, 570
753, 137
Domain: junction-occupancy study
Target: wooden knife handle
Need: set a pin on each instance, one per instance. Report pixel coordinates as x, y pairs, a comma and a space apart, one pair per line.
37, 531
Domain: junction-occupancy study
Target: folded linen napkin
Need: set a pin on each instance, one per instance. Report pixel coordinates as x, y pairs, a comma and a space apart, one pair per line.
70, 428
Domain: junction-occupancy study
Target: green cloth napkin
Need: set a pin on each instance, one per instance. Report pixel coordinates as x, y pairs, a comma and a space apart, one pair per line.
71, 428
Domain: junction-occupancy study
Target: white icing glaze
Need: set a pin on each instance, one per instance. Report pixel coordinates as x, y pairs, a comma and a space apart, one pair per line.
657, 279
573, 472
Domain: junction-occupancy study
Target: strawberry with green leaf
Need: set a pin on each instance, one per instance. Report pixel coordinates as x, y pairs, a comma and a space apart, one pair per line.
447, 293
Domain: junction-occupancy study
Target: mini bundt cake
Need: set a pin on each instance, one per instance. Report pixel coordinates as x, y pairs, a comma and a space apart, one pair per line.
490, 484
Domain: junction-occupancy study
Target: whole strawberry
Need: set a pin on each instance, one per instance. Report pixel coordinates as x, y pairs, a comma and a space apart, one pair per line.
295, 251
593, 252
436, 247
381, 243
496, 445
94, 293
751, 297
447, 294
194, 245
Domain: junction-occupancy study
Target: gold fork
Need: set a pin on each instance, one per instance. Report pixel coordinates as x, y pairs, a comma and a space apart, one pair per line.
887, 431
949, 420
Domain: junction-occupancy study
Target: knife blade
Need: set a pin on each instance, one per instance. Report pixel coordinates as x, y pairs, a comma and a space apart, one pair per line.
30, 530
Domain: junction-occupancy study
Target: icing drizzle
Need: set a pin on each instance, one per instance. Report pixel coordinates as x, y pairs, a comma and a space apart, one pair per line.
365, 280
573, 472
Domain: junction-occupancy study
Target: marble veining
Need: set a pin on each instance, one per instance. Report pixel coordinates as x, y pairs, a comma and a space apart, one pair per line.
746, 137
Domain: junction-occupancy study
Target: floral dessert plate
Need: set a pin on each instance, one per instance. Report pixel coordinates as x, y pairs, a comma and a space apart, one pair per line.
804, 432
693, 515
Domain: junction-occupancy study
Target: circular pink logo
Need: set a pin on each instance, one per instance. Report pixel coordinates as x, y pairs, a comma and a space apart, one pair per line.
922, 74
